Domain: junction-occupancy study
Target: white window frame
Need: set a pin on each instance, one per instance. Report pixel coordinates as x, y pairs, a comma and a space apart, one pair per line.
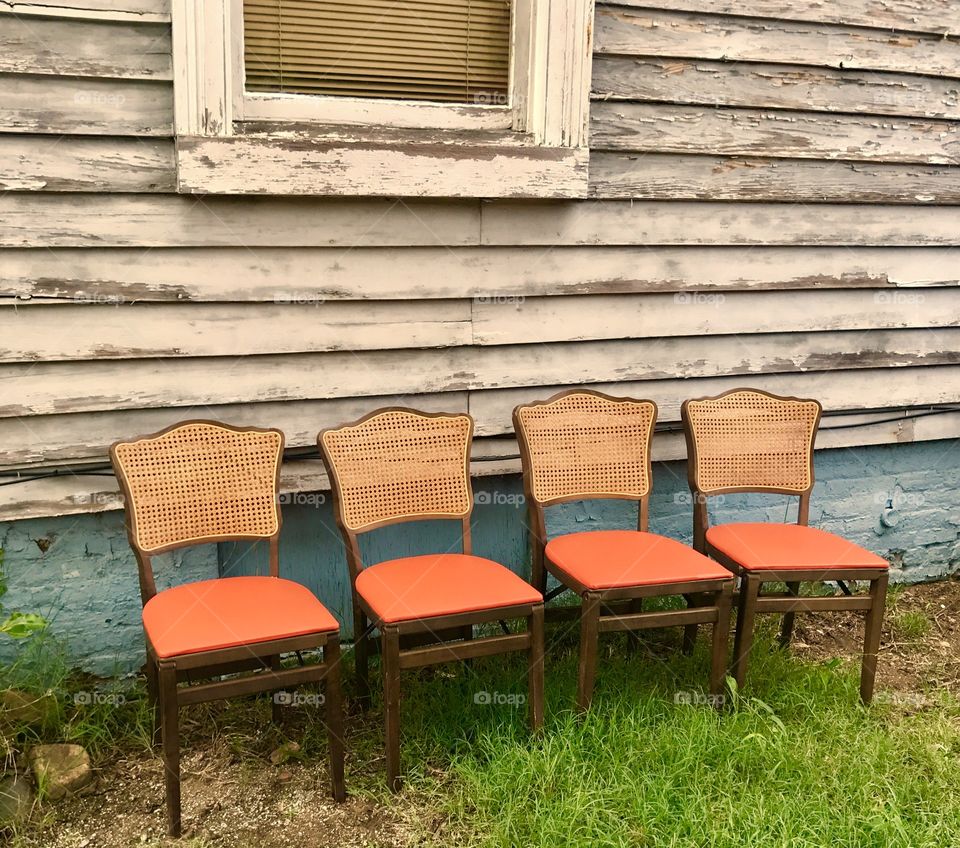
233, 141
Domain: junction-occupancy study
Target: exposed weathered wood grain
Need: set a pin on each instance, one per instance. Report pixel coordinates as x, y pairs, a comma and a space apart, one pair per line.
311, 275
655, 176
42, 332
44, 163
70, 495
104, 10
123, 220
45, 45
706, 83
62, 438
658, 33
50, 388
839, 391
624, 222
72, 105
934, 16
277, 165
554, 319
649, 128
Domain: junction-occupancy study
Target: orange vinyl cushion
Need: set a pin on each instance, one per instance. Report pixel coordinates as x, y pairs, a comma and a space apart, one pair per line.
440, 584
608, 559
771, 546
230, 612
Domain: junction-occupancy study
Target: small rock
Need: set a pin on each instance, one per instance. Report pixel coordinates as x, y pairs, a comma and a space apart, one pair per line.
21, 708
284, 753
60, 770
16, 800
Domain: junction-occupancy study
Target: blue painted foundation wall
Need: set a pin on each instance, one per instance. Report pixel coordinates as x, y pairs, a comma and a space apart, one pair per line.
79, 570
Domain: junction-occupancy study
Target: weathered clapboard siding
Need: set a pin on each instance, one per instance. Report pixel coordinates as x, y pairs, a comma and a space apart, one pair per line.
829, 150
47, 332
560, 319
44, 163
85, 48
312, 275
655, 176
57, 105
49, 388
125, 220
645, 127
768, 86
682, 35
935, 16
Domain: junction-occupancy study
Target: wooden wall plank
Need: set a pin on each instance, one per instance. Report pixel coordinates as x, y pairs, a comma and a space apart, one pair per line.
52, 439
651, 128
625, 222
41, 332
89, 220
655, 176
76, 47
71, 105
310, 275
554, 319
49, 388
769, 86
71, 495
932, 16
104, 10
43, 163
839, 391
645, 32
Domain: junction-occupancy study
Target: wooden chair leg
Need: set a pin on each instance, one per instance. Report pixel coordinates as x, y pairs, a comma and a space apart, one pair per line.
743, 641
334, 707
786, 626
721, 640
871, 637
153, 697
167, 685
390, 659
535, 671
589, 638
276, 709
361, 655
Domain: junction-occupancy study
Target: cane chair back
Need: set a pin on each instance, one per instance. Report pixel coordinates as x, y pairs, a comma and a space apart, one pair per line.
197, 482
749, 440
583, 444
398, 465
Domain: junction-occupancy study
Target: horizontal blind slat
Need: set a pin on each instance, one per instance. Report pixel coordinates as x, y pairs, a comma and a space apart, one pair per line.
407, 49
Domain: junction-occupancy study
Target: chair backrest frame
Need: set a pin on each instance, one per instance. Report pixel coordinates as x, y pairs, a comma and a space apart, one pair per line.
694, 452
350, 533
144, 555
537, 507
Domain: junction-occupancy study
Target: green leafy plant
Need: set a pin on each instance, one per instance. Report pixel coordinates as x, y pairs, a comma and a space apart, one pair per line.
18, 625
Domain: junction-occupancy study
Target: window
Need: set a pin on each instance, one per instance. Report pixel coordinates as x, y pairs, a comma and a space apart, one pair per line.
444, 98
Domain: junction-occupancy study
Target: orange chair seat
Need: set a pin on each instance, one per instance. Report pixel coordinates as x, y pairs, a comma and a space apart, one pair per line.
760, 547
231, 612
609, 559
440, 584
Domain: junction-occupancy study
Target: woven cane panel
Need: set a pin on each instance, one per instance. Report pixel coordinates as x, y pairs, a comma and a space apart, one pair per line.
200, 480
746, 439
400, 464
586, 445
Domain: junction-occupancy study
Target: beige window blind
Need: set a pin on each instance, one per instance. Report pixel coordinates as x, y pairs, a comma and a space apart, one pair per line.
446, 50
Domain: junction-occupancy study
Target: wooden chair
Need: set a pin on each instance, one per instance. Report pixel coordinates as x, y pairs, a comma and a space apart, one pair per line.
580, 445
747, 440
202, 482
398, 465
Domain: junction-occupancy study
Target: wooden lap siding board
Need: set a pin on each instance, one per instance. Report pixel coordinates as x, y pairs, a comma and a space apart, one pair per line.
788, 224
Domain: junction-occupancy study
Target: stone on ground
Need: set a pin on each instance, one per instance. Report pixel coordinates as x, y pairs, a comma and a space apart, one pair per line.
16, 799
61, 769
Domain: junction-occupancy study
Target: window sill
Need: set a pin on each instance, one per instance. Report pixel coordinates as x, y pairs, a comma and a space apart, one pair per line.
350, 161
